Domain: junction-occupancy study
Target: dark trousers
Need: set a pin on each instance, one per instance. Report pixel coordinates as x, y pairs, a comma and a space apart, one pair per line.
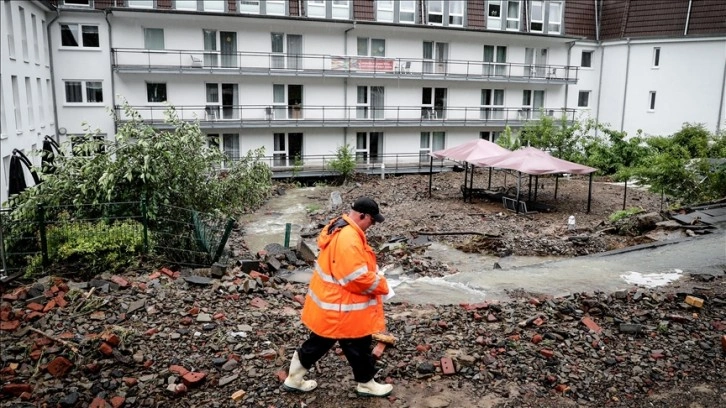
357, 351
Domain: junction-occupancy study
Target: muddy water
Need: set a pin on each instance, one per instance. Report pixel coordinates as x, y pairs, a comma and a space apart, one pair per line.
477, 279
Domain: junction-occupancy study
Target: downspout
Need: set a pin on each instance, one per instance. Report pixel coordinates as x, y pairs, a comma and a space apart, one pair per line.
597, 22
345, 85
688, 17
720, 104
625, 91
113, 81
599, 87
52, 75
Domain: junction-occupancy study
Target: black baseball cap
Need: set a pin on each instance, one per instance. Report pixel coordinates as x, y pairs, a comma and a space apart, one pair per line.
366, 205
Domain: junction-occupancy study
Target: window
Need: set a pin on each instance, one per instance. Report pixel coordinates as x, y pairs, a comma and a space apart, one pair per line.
16, 104
74, 91
532, 104
490, 136
373, 47
433, 103
495, 60
536, 23
651, 98
49, 99
513, 15
583, 99
154, 38
23, 33
494, 15
431, 142
586, 59
407, 11
88, 35
316, 8
368, 147
3, 121
384, 10
29, 103
249, 6
11, 37
456, 13
41, 111
369, 105
656, 57
186, 5
213, 5
85, 3
141, 3
436, 12
275, 7
36, 44
492, 104
156, 92
287, 148
282, 44
554, 25
435, 55
341, 9
230, 143
222, 101
46, 49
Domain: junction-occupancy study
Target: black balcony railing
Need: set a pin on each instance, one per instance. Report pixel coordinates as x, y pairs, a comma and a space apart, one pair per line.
268, 63
304, 115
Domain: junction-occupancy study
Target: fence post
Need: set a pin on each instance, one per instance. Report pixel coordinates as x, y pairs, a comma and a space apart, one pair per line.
145, 223
287, 235
43, 237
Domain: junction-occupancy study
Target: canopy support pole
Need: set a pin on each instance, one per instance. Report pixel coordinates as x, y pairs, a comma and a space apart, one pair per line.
536, 185
625, 193
529, 189
471, 184
519, 184
431, 173
466, 179
557, 184
489, 185
589, 194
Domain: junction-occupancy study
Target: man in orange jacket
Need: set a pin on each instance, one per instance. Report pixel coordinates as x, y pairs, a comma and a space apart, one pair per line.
344, 301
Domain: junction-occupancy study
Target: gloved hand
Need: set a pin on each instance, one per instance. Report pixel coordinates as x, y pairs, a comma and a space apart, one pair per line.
379, 271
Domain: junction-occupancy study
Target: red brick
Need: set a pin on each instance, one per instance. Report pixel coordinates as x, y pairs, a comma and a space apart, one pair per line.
657, 355
151, 331
35, 354
93, 368
60, 301
5, 315
194, 311
562, 388
547, 353
7, 372
538, 321
10, 326
121, 282
442, 324
447, 366
534, 301
491, 318
176, 275
98, 403
475, 306
154, 275
66, 335
26, 396
117, 401
179, 370
300, 299
16, 389
258, 303
36, 307
422, 348
186, 321
219, 316
49, 306
281, 375
105, 349
477, 316
268, 354
10, 296
192, 379
591, 324
536, 338
168, 272
59, 367
262, 276
130, 381
33, 315
378, 350
111, 338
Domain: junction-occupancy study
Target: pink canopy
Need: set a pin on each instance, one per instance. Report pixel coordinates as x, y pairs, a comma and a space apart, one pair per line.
530, 160
471, 151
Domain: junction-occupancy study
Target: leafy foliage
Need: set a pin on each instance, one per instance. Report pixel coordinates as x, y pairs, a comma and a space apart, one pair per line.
509, 140
561, 137
619, 215
615, 155
344, 162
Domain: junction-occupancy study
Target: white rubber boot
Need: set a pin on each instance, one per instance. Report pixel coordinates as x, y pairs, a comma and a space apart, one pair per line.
373, 389
295, 381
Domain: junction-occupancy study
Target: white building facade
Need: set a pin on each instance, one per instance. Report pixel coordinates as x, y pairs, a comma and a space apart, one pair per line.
392, 79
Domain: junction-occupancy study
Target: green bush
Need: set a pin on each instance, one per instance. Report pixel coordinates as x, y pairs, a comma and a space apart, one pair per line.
344, 162
91, 247
622, 214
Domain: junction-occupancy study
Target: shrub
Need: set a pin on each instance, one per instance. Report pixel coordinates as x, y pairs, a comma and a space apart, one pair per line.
622, 214
344, 162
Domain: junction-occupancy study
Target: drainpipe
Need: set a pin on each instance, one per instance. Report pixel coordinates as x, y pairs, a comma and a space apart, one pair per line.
345, 84
688, 17
599, 87
567, 84
113, 81
597, 22
720, 104
52, 74
625, 91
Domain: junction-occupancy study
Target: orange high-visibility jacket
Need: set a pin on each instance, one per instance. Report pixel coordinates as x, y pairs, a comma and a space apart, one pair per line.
344, 297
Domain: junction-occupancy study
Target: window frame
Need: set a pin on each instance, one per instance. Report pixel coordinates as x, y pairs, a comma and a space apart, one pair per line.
492, 109
10, 29
340, 9
81, 39
430, 13
515, 19
88, 3
250, 4
589, 53
147, 31
317, 5
276, 4
656, 58
83, 92
196, 5
490, 19
451, 15
158, 85
209, 6
401, 11
586, 95
551, 5
380, 10
141, 4
651, 101
541, 17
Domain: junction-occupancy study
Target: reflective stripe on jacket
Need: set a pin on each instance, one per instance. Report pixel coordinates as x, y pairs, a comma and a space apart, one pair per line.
344, 297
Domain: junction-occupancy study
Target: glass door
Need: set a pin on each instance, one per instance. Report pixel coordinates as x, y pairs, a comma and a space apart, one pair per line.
211, 57
230, 101
294, 51
229, 49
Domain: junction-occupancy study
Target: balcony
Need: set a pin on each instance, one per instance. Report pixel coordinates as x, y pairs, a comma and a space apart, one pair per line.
301, 116
127, 60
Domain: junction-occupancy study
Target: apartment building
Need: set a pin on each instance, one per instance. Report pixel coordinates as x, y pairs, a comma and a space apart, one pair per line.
394, 79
